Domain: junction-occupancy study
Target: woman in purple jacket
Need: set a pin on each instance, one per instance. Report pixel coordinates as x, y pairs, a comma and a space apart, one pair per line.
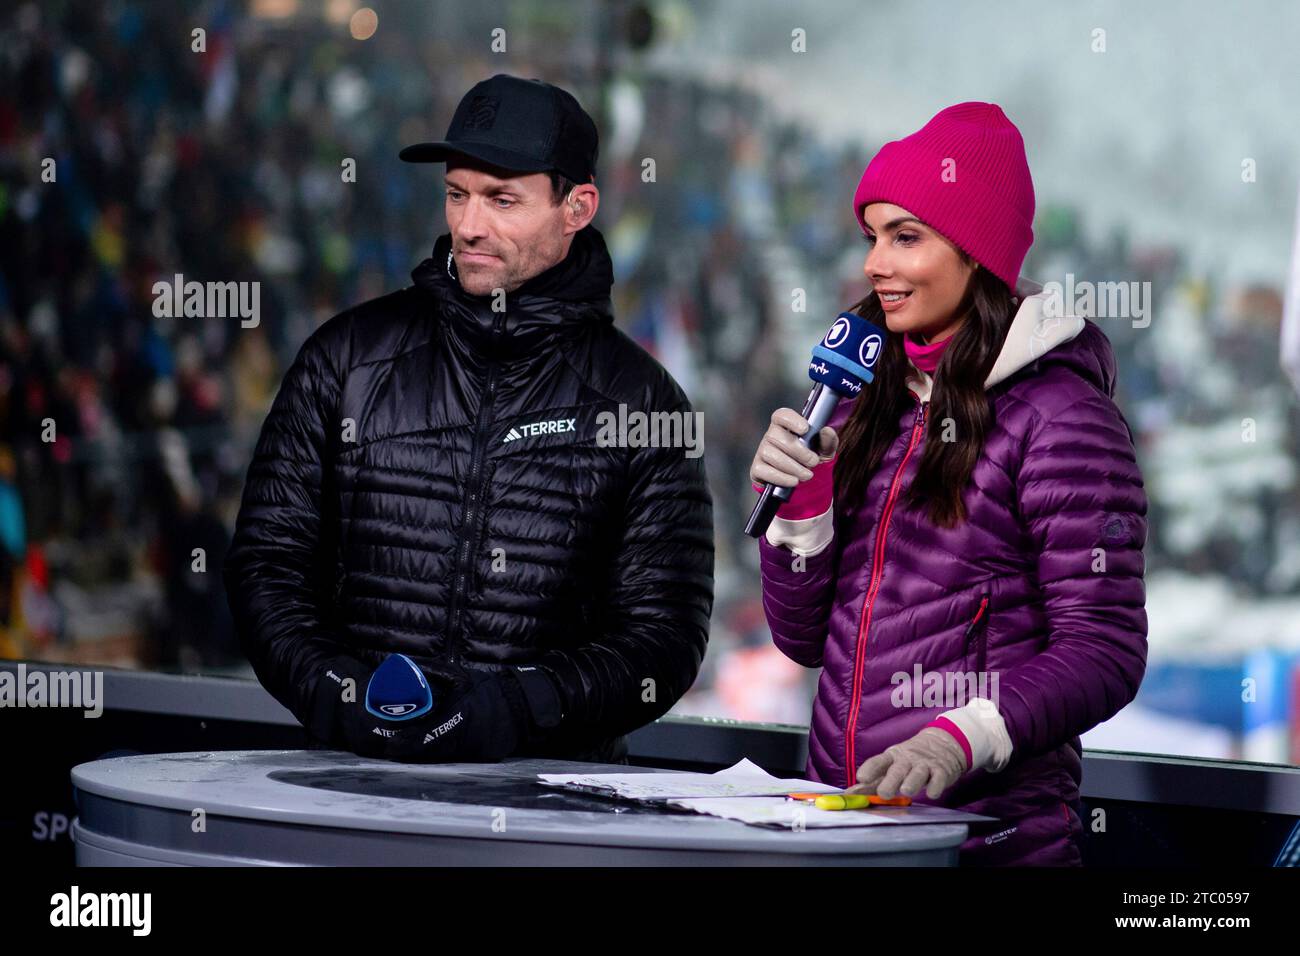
964, 558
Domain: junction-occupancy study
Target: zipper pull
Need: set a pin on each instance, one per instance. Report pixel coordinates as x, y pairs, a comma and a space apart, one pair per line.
979, 615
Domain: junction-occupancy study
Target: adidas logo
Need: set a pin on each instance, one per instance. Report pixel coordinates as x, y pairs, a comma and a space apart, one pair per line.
552, 427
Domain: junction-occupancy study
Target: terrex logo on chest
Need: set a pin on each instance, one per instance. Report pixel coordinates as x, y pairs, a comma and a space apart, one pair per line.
552, 427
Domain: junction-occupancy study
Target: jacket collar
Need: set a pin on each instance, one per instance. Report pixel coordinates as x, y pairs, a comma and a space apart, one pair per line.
1033, 335
567, 297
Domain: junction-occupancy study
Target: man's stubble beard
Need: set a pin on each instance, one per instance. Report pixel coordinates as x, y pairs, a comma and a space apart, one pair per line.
482, 282
477, 282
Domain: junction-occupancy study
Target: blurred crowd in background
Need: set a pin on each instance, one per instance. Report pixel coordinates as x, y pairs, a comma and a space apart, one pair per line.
225, 165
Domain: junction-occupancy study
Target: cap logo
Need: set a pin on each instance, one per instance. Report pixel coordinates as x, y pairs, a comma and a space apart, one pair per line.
482, 112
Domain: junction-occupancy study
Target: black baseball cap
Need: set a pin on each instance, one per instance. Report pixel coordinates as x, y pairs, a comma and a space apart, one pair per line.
517, 124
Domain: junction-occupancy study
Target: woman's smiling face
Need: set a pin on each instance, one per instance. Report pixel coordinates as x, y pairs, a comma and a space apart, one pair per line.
906, 256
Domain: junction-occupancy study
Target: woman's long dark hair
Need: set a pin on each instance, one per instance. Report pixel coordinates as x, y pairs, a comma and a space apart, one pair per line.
958, 396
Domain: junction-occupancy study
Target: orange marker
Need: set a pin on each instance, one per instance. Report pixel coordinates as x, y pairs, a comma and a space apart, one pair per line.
899, 801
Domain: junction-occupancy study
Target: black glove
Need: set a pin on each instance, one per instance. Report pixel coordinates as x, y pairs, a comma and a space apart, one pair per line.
338, 709
477, 716
487, 716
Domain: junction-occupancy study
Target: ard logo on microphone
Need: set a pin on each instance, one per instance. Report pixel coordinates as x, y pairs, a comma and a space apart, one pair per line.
869, 350
837, 333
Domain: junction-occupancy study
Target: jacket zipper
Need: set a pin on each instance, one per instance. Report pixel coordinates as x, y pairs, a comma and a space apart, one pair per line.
474, 497
970, 629
850, 763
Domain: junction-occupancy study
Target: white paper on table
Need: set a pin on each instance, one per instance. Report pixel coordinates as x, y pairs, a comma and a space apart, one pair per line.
745, 779
780, 812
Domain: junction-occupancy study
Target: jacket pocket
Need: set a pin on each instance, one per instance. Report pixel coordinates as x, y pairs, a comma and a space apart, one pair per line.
976, 635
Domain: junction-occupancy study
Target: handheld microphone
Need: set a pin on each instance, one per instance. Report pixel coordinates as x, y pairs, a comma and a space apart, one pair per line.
841, 364
398, 690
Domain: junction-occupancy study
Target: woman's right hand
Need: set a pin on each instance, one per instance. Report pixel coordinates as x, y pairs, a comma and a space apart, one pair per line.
781, 460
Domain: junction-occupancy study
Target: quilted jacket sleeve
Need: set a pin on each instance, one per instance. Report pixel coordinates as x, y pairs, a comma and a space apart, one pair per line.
798, 587
654, 628
1084, 509
268, 572
797, 592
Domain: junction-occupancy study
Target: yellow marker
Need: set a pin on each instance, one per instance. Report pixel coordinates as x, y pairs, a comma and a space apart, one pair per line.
842, 801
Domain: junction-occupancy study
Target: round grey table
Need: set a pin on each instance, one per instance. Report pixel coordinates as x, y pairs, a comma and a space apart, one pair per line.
323, 807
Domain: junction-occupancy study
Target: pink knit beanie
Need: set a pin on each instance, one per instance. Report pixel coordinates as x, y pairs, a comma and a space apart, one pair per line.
965, 174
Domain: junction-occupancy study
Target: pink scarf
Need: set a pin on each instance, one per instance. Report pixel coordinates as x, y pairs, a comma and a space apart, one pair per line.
924, 357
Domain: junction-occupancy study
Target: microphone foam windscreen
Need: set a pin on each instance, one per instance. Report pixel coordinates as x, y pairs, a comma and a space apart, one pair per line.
844, 359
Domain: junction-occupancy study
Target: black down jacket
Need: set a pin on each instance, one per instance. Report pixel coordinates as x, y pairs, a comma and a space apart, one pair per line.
404, 497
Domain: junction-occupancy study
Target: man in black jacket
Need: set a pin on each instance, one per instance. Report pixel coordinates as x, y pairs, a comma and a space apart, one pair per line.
437, 478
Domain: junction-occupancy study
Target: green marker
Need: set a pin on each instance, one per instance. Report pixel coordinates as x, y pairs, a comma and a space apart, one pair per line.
842, 801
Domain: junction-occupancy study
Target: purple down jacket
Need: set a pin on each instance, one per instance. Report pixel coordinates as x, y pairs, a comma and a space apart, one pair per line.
1054, 539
